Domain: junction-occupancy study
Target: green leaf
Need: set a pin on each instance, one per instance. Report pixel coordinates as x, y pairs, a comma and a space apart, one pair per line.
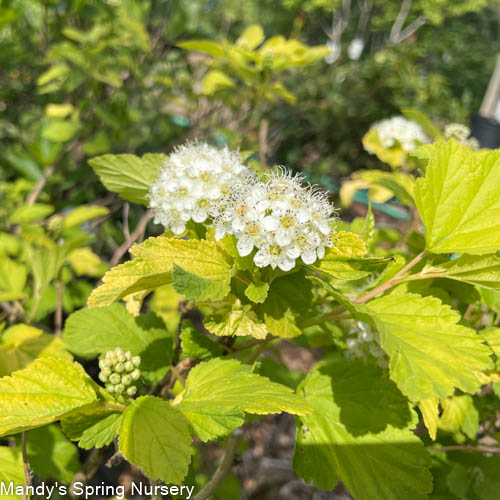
420, 118
12, 283
128, 175
368, 228
492, 338
134, 276
51, 454
289, 300
491, 298
31, 213
483, 271
155, 437
59, 130
42, 393
393, 156
195, 287
196, 345
216, 80
91, 332
459, 412
217, 392
233, 318
83, 213
458, 199
93, 426
202, 269
257, 292
85, 262
361, 432
206, 46
251, 37
430, 353
21, 344
12, 471
349, 244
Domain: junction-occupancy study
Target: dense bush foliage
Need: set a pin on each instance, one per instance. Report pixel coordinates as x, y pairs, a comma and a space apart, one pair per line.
169, 296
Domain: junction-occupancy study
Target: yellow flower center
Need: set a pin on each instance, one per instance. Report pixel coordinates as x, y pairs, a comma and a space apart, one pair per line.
274, 250
287, 222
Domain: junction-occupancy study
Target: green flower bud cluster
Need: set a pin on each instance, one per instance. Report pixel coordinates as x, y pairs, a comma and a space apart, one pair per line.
120, 371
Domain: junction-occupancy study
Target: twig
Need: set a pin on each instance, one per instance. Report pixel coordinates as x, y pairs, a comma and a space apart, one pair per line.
224, 467
122, 249
27, 472
126, 230
393, 281
398, 34
32, 197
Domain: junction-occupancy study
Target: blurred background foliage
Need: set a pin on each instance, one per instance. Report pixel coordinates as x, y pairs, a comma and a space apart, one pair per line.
296, 83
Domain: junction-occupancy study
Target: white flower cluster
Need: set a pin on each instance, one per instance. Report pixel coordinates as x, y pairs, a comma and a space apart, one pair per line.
408, 133
363, 343
280, 217
194, 178
460, 133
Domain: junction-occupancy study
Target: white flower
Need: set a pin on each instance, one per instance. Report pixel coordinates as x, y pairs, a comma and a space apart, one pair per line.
192, 180
363, 343
461, 133
355, 49
281, 218
398, 129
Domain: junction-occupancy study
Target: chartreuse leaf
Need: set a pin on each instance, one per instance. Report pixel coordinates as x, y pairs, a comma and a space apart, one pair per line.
128, 175
12, 283
347, 244
93, 426
360, 432
481, 270
196, 345
21, 344
344, 261
155, 437
420, 118
458, 199
91, 332
11, 472
257, 292
51, 454
218, 391
289, 300
233, 318
42, 393
459, 412
492, 338
430, 354
430, 413
83, 213
201, 270
31, 213
394, 156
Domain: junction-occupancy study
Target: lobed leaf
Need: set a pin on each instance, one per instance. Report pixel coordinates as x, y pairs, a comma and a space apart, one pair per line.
217, 392
360, 432
458, 199
128, 175
42, 393
155, 437
430, 353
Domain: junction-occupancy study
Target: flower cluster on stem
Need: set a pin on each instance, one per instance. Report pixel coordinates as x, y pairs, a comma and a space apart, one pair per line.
192, 180
281, 218
400, 130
